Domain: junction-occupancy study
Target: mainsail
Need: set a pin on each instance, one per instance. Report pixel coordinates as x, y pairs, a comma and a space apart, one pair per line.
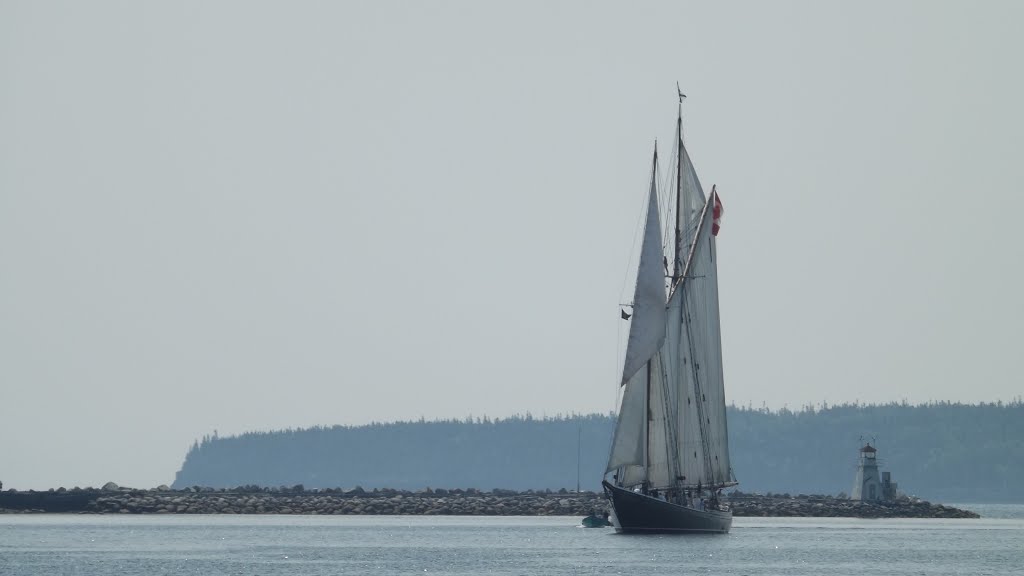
704, 449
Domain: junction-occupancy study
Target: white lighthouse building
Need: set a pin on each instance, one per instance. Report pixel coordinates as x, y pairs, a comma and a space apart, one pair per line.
870, 485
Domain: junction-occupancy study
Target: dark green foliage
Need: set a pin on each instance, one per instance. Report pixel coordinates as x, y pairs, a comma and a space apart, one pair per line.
950, 452
940, 451
516, 453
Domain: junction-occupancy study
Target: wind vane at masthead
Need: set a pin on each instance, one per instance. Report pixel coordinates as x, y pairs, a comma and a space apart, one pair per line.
681, 95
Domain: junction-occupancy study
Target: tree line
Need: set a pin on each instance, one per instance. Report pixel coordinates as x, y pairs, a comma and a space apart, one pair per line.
941, 451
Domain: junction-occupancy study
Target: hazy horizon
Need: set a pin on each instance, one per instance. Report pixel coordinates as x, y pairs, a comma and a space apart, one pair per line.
241, 216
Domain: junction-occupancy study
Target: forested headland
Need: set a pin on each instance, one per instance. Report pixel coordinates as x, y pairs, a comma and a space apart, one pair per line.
938, 451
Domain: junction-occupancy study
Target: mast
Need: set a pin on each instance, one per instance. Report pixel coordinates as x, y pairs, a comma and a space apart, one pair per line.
677, 261
647, 387
678, 269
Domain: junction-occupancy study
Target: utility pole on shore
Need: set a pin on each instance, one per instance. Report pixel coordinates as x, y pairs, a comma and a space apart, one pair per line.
579, 447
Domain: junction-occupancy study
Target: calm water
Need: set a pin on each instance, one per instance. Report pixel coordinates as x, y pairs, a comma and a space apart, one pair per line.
34, 545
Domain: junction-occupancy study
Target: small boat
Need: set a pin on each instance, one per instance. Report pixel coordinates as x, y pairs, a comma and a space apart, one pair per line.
669, 459
595, 521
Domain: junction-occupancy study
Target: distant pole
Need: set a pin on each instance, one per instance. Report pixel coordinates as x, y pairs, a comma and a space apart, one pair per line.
579, 444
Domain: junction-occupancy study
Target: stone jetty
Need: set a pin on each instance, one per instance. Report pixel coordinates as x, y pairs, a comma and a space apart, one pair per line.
112, 499
817, 506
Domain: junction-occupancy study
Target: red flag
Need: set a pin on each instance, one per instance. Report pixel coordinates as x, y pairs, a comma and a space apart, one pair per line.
716, 223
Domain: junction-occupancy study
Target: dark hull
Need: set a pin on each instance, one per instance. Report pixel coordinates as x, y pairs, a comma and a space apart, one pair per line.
637, 513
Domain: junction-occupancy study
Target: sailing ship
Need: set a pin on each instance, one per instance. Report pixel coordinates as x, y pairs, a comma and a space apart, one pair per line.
669, 459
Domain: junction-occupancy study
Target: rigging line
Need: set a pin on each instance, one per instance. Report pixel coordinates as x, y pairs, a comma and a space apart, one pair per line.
666, 192
699, 400
677, 245
618, 370
670, 406
668, 401
664, 208
681, 284
641, 219
686, 268
688, 226
641, 222
668, 202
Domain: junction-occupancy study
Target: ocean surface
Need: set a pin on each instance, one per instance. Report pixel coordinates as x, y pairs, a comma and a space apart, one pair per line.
52, 544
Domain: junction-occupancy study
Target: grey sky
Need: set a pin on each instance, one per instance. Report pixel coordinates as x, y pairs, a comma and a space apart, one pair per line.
248, 216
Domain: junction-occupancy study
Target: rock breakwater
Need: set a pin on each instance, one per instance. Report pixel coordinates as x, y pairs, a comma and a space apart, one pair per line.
400, 503
456, 502
831, 507
115, 500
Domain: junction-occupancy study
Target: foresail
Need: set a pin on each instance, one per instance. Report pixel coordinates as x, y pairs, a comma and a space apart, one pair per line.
647, 328
629, 455
628, 442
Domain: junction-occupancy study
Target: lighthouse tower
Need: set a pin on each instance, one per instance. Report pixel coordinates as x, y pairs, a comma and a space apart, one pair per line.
867, 485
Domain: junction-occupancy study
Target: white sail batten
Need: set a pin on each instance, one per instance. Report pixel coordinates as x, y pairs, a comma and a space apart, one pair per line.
647, 328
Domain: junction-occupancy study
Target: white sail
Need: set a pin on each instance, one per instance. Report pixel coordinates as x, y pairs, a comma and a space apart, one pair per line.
674, 337
660, 431
647, 329
691, 202
700, 346
628, 442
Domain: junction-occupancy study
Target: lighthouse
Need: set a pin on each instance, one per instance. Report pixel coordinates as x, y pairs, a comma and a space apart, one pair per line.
867, 485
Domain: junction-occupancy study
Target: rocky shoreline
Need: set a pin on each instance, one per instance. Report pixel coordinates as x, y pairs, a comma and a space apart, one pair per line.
112, 499
832, 507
